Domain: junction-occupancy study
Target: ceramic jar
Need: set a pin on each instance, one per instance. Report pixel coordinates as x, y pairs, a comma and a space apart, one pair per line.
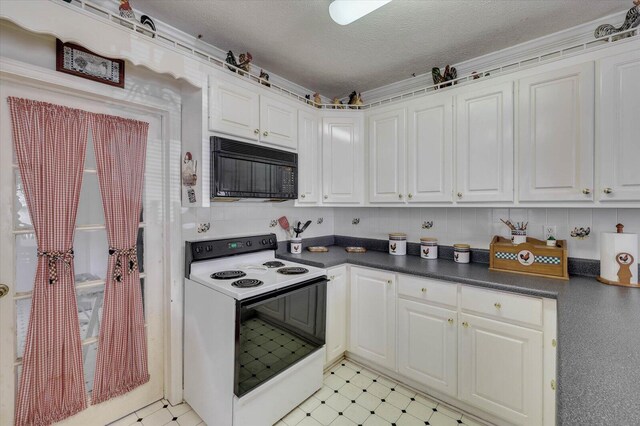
461, 253
429, 248
398, 244
295, 246
518, 237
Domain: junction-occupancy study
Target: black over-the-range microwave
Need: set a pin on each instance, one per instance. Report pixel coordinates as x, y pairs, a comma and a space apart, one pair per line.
242, 170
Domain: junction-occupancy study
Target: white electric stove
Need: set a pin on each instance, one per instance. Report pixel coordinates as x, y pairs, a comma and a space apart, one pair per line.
254, 331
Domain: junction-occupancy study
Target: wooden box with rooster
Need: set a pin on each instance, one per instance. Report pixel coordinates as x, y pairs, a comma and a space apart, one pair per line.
534, 257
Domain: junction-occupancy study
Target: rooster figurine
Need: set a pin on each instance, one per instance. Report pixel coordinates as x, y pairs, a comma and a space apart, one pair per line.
265, 78
450, 73
355, 100
243, 62
125, 10
337, 103
317, 100
631, 20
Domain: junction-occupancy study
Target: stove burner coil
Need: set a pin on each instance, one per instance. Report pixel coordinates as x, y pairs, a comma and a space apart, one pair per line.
227, 275
246, 283
293, 270
273, 264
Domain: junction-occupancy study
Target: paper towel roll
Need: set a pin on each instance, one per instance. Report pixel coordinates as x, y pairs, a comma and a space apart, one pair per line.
611, 244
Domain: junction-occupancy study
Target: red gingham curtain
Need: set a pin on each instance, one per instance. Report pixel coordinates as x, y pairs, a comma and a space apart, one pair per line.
50, 143
120, 147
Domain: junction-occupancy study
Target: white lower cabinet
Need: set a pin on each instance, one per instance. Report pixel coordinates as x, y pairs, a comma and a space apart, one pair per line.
427, 345
373, 316
337, 296
500, 369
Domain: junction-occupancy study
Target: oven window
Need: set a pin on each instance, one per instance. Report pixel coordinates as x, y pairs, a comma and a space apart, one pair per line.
276, 331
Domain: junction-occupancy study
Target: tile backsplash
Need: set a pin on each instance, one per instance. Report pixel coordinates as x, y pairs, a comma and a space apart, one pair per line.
229, 219
475, 226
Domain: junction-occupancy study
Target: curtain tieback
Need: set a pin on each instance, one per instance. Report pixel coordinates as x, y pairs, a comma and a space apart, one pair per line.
53, 257
130, 254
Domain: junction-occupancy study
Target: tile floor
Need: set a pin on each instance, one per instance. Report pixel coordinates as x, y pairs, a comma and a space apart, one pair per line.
351, 395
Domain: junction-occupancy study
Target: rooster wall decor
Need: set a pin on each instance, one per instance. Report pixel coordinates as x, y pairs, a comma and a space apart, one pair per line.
632, 20
450, 73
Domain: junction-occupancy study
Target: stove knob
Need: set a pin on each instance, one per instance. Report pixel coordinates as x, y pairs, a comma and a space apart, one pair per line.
264, 242
271, 241
209, 248
249, 243
198, 249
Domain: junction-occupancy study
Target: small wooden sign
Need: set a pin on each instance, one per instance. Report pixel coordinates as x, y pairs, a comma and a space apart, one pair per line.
76, 60
534, 257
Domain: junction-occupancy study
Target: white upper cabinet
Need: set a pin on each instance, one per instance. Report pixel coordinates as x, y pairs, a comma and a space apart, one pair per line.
373, 316
556, 143
430, 149
308, 158
278, 123
619, 139
484, 144
342, 159
234, 108
387, 156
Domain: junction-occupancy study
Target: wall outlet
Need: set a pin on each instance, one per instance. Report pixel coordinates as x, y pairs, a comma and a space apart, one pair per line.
549, 231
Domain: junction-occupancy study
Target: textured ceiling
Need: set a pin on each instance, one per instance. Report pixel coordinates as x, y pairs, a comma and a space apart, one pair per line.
297, 39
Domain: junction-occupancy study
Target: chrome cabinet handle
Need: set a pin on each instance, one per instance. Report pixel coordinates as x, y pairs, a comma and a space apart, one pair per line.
4, 290
607, 190
302, 195
265, 133
424, 290
256, 131
400, 196
459, 194
389, 282
326, 196
497, 305
586, 191
450, 320
465, 324
410, 195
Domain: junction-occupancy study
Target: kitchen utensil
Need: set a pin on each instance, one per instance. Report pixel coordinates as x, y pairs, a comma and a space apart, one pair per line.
305, 226
297, 229
284, 224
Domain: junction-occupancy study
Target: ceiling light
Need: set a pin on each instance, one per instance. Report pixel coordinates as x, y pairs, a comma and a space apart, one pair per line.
345, 12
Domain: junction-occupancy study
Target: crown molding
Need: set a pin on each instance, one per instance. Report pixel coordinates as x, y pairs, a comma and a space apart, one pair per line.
551, 42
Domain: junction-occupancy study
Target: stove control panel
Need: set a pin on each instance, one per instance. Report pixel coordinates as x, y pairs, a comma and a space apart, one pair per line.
212, 249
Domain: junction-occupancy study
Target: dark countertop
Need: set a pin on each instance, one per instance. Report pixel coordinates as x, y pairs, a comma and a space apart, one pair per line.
598, 330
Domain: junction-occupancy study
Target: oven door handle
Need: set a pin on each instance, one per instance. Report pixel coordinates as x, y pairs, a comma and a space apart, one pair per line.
252, 302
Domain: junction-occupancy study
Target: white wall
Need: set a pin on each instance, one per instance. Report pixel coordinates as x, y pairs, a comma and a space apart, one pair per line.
476, 226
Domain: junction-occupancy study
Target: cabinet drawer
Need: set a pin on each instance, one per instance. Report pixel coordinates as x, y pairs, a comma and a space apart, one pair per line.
428, 290
502, 305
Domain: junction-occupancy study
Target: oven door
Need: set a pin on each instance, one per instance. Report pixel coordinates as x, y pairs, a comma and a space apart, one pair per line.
276, 330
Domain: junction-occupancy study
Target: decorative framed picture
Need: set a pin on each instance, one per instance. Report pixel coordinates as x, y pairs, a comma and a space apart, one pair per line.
76, 60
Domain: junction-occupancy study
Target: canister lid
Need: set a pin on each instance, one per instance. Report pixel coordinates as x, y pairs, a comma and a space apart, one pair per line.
462, 246
398, 235
428, 240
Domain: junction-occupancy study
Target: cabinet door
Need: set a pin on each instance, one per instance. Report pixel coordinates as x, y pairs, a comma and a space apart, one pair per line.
619, 139
427, 345
278, 123
373, 316
336, 335
387, 156
308, 159
556, 135
430, 150
342, 159
233, 109
500, 369
484, 143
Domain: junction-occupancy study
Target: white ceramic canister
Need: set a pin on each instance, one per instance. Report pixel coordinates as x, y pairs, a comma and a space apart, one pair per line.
398, 244
519, 236
295, 246
428, 248
461, 253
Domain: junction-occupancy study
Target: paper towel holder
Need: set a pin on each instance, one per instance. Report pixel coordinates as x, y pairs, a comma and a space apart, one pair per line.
625, 262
